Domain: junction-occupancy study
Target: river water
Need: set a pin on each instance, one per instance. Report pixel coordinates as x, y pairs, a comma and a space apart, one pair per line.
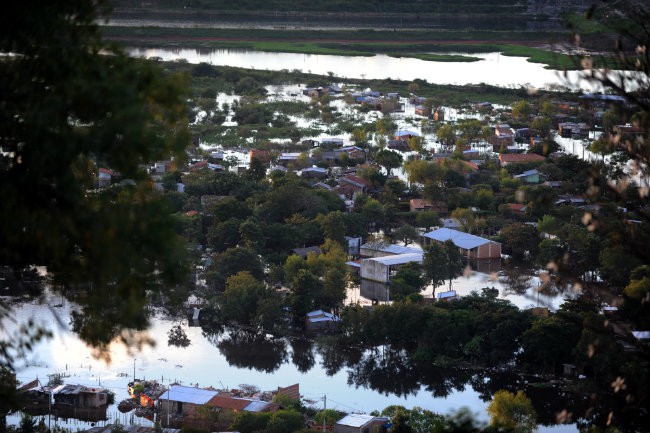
493, 68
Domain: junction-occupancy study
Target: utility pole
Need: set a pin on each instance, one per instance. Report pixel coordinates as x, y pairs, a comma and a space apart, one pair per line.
324, 411
134, 371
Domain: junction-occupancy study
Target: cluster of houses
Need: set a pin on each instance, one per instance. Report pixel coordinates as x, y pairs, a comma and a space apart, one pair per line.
67, 401
176, 406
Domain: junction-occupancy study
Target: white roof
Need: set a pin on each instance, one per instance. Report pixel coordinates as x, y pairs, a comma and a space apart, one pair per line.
447, 294
189, 394
257, 406
641, 335
355, 420
392, 249
399, 259
460, 239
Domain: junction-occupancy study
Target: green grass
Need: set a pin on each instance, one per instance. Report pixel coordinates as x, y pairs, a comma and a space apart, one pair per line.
437, 57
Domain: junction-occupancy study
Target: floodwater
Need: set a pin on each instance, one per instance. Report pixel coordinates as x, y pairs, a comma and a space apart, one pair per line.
352, 381
493, 68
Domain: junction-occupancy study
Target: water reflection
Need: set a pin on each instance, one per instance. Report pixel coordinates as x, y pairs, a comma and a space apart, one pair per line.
493, 68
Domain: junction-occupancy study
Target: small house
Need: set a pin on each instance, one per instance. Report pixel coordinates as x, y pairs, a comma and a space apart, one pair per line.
80, 396
382, 269
320, 320
184, 401
405, 135
529, 176
447, 295
519, 158
361, 423
423, 205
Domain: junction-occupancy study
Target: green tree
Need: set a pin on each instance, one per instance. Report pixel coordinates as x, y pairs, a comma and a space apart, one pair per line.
446, 134
442, 262
72, 104
405, 233
520, 241
512, 412
427, 219
239, 300
521, 110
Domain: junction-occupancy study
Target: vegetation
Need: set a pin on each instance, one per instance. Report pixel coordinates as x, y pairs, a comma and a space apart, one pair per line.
107, 246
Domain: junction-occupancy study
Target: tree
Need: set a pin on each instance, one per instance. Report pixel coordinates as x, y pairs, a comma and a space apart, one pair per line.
427, 219
240, 299
389, 159
520, 240
512, 412
407, 281
406, 234
442, 262
446, 134
521, 110
72, 104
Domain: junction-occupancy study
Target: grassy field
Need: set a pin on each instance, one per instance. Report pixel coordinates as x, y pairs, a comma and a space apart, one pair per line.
426, 45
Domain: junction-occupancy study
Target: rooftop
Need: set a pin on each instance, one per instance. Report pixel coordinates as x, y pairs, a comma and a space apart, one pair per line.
460, 239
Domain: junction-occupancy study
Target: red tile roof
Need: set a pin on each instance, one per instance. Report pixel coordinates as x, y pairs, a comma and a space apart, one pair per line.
507, 158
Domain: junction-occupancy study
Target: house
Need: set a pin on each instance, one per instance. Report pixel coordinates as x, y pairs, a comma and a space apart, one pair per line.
516, 208
353, 152
314, 172
484, 106
332, 142
264, 156
529, 176
184, 401
161, 167
399, 145
236, 404
357, 184
109, 428
304, 252
104, 177
422, 110
472, 247
320, 320
439, 115
361, 423
381, 269
423, 205
451, 223
291, 391
354, 245
519, 158
35, 396
80, 397
503, 136
287, 158
370, 249
447, 295
405, 135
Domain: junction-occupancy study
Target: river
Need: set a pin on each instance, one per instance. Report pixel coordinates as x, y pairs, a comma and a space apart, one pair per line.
352, 381
493, 68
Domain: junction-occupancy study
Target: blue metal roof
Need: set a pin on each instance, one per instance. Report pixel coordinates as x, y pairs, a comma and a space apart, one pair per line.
460, 239
189, 394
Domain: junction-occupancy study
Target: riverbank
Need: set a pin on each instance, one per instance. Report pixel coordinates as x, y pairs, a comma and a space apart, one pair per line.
449, 46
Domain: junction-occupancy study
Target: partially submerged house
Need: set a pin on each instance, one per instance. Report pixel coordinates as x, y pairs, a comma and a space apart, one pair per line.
320, 320
381, 269
472, 247
80, 396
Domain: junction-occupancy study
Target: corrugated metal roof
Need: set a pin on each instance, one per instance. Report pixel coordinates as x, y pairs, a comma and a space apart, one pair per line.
447, 294
357, 419
460, 239
392, 249
398, 259
257, 406
188, 394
